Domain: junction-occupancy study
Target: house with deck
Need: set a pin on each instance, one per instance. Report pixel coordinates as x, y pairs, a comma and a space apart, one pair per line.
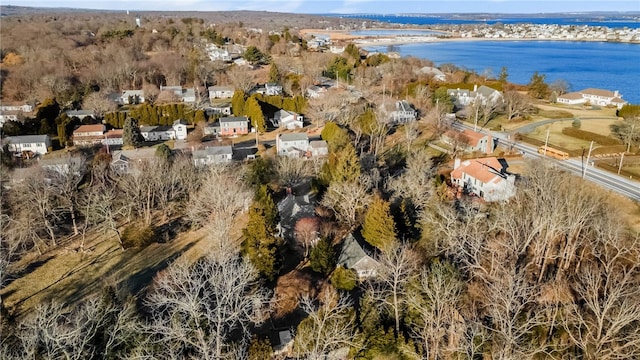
221, 92
403, 113
89, 135
486, 178
36, 144
131, 97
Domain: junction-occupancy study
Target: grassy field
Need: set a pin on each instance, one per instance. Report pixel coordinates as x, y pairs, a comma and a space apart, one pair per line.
557, 138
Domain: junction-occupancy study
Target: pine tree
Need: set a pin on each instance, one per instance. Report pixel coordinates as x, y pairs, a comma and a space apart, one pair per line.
274, 73
379, 228
254, 112
260, 245
322, 257
537, 87
347, 167
131, 136
238, 103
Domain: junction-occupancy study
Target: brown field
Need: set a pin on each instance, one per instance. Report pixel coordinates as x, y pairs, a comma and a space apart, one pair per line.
557, 138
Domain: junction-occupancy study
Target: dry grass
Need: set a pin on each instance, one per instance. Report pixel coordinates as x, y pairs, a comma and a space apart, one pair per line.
557, 138
70, 275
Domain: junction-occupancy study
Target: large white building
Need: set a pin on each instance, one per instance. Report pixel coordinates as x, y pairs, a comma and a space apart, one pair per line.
594, 97
37, 144
485, 178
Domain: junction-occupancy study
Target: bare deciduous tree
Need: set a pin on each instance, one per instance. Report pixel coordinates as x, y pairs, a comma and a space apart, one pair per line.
291, 171
347, 200
203, 309
330, 325
516, 105
306, 231
99, 103
241, 78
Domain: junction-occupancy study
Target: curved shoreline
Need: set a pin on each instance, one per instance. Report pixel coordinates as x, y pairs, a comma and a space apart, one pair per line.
376, 40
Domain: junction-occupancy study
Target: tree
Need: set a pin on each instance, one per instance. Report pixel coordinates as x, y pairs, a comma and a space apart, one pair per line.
206, 310
628, 130
538, 89
306, 232
255, 56
416, 182
434, 309
241, 78
347, 166
335, 136
238, 102
344, 279
131, 135
504, 75
379, 228
274, 73
291, 171
397, 267
347, 200
516, 105
99, 103
329, 326
163, 151
254, 112
260, 244
322, 257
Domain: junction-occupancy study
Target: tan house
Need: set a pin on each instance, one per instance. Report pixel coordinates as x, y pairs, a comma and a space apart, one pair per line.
89, 135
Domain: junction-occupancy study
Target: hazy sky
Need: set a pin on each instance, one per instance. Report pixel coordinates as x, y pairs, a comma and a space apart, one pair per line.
346, 6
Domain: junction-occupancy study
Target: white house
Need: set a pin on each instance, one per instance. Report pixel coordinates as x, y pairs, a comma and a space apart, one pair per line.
187, 95
212, 128
131, 97
403, 113
485, 177
215, 109
221, 92
594, 97
127, 161
318, 148
353, 256
287, 120
81, 114
315, 91
462, 97
273, 89
178, 131
21, 107
292, 145
212, 155
38, 144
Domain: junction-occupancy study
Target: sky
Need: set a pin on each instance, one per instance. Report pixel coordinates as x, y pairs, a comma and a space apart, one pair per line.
345, 6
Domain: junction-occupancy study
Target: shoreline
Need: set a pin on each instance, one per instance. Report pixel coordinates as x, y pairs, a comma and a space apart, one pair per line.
376, 40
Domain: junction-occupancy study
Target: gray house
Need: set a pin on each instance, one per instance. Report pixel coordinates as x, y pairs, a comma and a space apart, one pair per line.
212, 155
353, 256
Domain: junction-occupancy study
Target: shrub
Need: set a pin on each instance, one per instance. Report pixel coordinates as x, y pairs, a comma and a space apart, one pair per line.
343, 279
576, 123
137, 235
590, 136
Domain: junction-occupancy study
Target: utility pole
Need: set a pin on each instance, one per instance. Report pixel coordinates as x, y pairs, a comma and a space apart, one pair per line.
475, 124
546, 143
584, 173
620, 167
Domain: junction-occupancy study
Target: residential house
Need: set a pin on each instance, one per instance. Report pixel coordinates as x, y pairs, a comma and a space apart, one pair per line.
594, 97
187, 95
113, 137
212, 155
318, 148
217, 109
267, 89
212, 128
234, 125
62, 165
178, 131
81, 114
292, 145
485, 94
25, 108
128, 161
353, 256
336, 49
221, 92
472, 140
315, 91
131, 97
484, 177
434, 72
217, 54
8, 116
293, 208
287, 120
89, 135
403, 113
36, 144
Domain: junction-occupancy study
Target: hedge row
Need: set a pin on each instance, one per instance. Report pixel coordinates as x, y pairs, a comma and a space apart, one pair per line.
590, 136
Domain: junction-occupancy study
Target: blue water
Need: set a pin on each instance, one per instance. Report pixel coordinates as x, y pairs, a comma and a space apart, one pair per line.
611, 66
403, 32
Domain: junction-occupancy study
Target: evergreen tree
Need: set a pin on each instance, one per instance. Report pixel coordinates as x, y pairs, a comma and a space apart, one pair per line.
537, 87
335, 136
260, 245
254, 112
322, 257
379, 228
238, 102
265, 202
347, 167
442, 99
131, 136
502, 77
353, 51
274, 73
163, 151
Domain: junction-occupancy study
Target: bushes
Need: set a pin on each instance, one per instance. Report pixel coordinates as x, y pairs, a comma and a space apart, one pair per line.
590, 136
137, 235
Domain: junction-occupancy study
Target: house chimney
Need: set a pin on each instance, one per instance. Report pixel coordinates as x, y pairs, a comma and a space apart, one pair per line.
616, 94
456, 163
475, 88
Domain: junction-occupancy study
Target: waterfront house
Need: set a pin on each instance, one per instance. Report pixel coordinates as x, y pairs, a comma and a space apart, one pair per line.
434, 72
594, 97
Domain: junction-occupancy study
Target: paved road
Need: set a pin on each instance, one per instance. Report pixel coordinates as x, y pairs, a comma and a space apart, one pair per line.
616, 183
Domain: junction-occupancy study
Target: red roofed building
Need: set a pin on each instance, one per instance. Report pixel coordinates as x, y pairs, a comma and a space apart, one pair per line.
484, 177
88, 135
